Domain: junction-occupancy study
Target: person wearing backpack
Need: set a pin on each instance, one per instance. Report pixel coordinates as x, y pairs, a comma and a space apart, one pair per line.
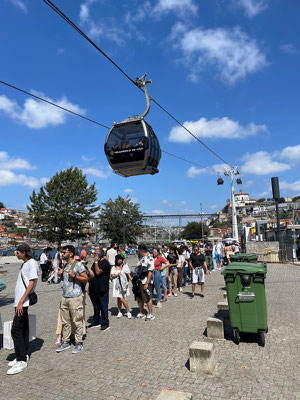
74, 277
24, 291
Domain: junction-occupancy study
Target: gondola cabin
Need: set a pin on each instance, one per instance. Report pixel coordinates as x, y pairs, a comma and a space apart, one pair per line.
132, 148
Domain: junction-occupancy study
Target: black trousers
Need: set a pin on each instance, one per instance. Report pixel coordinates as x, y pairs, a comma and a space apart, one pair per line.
100, 304
20, 334
45, 268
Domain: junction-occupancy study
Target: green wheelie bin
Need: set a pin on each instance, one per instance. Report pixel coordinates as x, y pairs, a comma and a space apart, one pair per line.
244, 257
245, 284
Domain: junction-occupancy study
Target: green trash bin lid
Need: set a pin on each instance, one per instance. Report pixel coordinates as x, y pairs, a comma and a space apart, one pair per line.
244, 256
244, 268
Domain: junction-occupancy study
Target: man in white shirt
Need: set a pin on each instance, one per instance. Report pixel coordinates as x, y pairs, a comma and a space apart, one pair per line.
26, 283
44, 262
111, 254
143, 275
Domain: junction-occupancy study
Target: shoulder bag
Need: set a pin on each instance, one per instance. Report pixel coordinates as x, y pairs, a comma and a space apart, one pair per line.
32, 296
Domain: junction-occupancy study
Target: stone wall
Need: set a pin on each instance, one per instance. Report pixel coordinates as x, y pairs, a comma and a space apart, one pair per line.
267, 251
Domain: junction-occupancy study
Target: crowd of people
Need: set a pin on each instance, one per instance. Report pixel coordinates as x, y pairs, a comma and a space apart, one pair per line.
159, 275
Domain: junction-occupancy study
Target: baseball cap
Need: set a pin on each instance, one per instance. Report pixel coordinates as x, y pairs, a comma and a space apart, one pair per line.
24, 248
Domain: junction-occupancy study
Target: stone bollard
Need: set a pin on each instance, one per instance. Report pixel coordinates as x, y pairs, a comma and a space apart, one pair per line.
7, 339
222, 306
201, 357
225, 296
32, 327
173, 395
215, 328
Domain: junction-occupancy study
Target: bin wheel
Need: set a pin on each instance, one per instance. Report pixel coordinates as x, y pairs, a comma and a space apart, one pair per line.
262, 339
236, 335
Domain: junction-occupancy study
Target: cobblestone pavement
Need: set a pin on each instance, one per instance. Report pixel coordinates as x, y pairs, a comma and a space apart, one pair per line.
153, 355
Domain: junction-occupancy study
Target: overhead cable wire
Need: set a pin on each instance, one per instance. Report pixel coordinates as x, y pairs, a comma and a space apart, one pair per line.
74, 26
91, 120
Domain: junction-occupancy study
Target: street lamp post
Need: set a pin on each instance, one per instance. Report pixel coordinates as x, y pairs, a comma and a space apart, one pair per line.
201, 222
232, 172
124, 213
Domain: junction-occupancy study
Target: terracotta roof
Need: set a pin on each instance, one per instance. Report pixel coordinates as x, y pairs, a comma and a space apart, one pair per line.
240, 192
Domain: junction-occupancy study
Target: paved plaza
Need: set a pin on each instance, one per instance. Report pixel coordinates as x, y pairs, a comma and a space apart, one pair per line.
136, 359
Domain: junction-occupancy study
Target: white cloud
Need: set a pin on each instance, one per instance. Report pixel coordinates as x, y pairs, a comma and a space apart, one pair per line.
188, 211
289, 48
20, 5
128, 191
252, 7
262, 163
96, 172
223, 128
231, 51
181, 7
213, 207
37, 114
294, 186
8, 163
248, 183
155, 212
174, 204
193, 172
263, 194
87, 159
96, 30
10, 178
291, 153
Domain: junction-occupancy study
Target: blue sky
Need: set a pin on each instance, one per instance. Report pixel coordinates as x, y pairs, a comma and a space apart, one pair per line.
228, 69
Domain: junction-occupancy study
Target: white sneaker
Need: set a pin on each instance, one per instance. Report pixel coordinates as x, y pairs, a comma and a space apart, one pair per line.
180, 289
150, 317
17, 368
158, 305
129, 315
170, 294
14, 362
120, 315
141, 316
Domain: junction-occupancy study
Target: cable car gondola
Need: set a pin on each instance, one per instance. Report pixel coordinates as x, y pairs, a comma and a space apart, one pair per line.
239, 181
131, 146
220, 181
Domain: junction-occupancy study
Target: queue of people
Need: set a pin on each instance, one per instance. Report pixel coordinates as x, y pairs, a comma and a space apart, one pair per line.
165, 272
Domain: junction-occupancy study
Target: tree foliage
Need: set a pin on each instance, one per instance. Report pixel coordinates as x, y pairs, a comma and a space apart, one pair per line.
112, 216
63, 206
296, 198
262, 200
281, 200
194, 229
2, 205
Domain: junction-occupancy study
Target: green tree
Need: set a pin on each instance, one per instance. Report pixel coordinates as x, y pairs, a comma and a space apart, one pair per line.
281, 200
2, 205
261, 200
194, 229
63, 206
296, 198
9, 223
121, 219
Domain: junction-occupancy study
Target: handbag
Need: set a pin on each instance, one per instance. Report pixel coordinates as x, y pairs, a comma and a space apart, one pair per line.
32, 296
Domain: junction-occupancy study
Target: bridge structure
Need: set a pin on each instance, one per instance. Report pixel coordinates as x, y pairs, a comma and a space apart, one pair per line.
168, 227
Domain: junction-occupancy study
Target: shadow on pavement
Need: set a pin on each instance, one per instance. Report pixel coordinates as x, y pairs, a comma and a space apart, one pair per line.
4, 301
34, 345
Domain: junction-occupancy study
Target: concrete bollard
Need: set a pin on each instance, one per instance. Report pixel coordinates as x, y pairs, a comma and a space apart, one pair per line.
173, 395
222, 306
7, 339
215, 328
32, 327
201, 357
225, 296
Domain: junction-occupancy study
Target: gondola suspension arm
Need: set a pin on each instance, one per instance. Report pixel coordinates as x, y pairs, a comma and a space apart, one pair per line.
142, 84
